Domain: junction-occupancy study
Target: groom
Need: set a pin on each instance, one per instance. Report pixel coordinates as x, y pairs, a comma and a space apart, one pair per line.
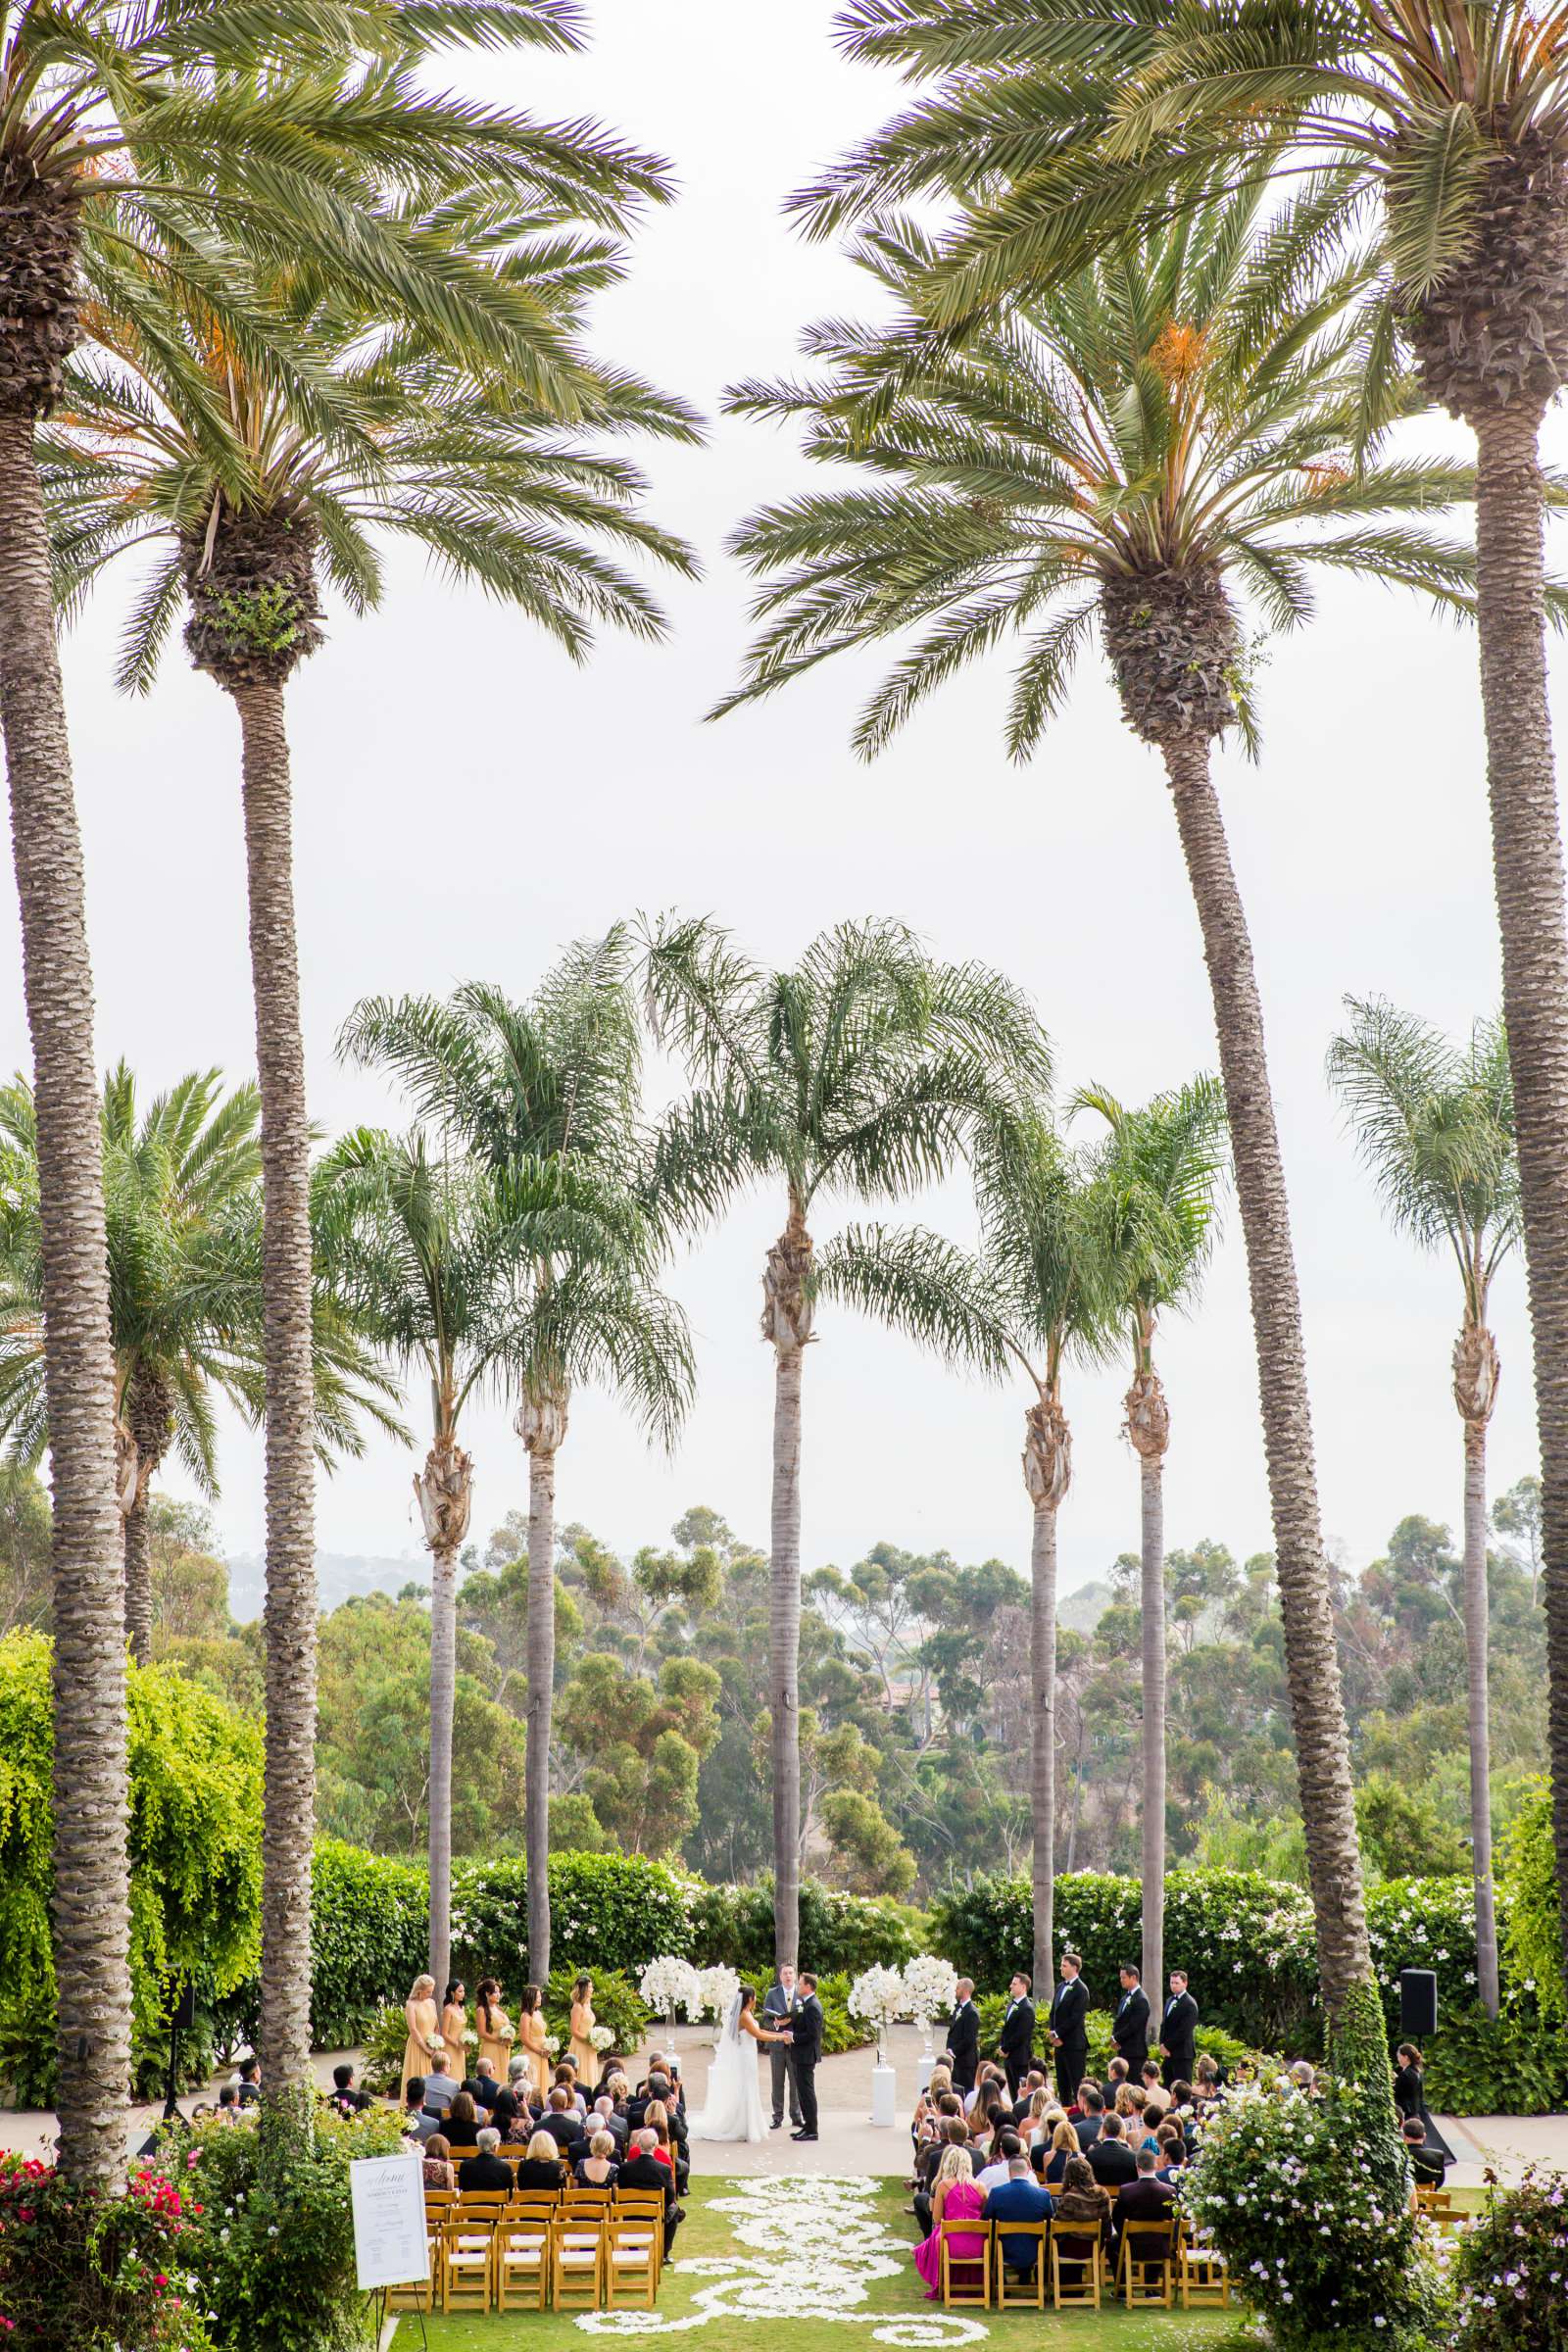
806, 2048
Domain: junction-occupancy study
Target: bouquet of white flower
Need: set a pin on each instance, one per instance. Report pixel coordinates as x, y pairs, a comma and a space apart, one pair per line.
602, 2038
667, 1984
552, 2045
930, 1987
879, 1997
713, 1990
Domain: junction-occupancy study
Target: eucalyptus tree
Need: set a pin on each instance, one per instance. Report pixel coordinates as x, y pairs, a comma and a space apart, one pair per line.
431, 1251
862, 1072
1047, 1290
551, 1088
1434, 1124
1159, 1192
1058, 127
1160, 448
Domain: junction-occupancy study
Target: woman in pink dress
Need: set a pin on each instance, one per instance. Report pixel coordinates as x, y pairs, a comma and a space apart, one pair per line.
955, 2197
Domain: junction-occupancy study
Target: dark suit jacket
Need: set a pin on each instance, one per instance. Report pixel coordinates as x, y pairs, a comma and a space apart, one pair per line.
1111, 2161
1069, 2008
963, 2046
1018, 2037
1129, 2029
647, 2173
483, 2090
563, 2129
1144, 2199
1176, 2030
804, 2044
484, 2171
1089, 2128
1019, 2201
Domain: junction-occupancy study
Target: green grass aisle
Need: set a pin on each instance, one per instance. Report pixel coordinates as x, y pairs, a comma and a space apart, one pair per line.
816, 2265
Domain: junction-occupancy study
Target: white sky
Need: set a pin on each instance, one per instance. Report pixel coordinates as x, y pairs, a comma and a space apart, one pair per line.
468, 800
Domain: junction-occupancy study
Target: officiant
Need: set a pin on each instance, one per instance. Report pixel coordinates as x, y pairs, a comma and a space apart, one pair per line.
779, 2005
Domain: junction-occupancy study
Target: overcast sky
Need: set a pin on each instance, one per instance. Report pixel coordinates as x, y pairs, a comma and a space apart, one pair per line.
468, 800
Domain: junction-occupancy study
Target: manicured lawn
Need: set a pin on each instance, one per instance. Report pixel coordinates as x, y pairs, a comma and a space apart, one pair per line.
787, 2265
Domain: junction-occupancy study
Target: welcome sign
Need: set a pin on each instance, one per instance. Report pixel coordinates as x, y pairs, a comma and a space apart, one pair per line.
390, 2245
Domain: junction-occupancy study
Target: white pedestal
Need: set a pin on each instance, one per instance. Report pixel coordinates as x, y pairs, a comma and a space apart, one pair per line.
925, 2066
884, 2112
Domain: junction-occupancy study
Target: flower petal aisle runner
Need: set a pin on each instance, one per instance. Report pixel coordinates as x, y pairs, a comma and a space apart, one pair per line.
816, 2247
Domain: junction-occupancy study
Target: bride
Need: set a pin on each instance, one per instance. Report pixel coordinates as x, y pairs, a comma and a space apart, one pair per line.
734, 2109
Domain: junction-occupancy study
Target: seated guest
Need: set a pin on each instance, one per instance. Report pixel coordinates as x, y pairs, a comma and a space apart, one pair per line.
1151, 2079
642, 2170
513, 2122
923, 2122
345, 2097
955, 2197
229, 2103
1206, 2080
655, 2119
605, 2119
461, 2118
562, 2121
438, 2172
1020, 2199
1033, 2082
481, 2085
1091, 2123
1007, 2148
1063, 2143
678, 2100
1172, 2151
1110, 2160
541, 2167
1429, 2164
250, 2081
1303, 2078
440, 2089
955, 2135
599, 2169
1116, 2073
416, 2124
488, 2169
1035, 2123
1145, 2199
1080, 2198
1077, 2104
567, 2079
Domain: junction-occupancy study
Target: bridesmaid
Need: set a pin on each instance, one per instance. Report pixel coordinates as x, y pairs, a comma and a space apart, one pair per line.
495, 2027
455, 2029
422, 2048
531, 2036
581, 2050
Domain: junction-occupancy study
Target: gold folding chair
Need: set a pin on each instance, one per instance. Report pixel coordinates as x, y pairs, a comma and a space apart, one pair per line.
1200, 2274
577, 2265
631, 2262
1144, 2263
468, 2255
1015, 2288
643, 2210
522, 2261
973, 2287
1075, 2246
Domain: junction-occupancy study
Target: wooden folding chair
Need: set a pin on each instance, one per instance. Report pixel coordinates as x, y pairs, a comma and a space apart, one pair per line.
577, 2265
631, 2262
643, 2210
522, 2261
467, 2254
1075, 2246
1015, 2289
973, 2287
1200, 2274
1144, 2263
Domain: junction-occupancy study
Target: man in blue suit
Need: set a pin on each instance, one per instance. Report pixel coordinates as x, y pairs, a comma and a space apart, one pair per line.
1020, 2199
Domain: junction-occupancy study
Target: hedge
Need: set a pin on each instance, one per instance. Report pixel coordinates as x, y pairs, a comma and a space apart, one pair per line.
840, 1933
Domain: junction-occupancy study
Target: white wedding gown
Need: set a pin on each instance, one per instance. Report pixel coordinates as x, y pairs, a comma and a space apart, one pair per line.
734, 2105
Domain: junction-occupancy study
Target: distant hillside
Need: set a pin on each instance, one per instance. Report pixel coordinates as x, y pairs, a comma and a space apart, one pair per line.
1081, 1610
339, 1574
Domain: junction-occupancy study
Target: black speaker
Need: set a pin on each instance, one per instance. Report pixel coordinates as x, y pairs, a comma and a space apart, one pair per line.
1418, 2000
182, 2016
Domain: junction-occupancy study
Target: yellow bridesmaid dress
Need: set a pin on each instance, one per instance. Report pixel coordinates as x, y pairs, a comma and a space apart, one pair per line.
581, 2048
496, 2045
531, 2034
423, 2020
454, 2034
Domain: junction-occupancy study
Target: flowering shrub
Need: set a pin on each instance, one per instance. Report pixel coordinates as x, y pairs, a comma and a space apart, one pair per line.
838, 1932
79, 2268
1511, 2271
1314, 2217
1512, 2064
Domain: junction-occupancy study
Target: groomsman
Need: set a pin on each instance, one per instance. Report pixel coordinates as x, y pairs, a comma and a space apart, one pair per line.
1018, 2033
780, 2003
1176, 2031
963, 2038
1129, 2028
1068, 2031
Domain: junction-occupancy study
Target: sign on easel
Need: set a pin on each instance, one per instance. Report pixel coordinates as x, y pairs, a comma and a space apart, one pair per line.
390, 2244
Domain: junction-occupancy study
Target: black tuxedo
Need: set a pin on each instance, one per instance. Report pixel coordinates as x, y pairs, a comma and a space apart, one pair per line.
806, 2050
963, 2046
1111, 2161
1018, 2041
1129, 2030
1069, 2012
1176, 2030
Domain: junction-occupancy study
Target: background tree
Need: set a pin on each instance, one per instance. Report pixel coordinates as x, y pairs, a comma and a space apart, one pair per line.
553, 1085
864, 1071
1158, 1186
1436, 1128
1449, 120
1169, 431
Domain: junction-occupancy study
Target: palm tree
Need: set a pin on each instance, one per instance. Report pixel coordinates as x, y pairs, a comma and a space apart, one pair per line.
1058, 127
862, 1071
1435, 1126
1158, 1188
186, 131
551, 1089
1166, 434
428, 1253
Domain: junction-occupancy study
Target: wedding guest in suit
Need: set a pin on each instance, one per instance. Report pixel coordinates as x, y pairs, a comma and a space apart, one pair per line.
963, 2038
488, 2171
440, 2089
347, 2097
1116, 2075
1177, 2025
1429, 2164
1145, 2199
1091, 2123
806, 2049
1020, 2199
642, 2170
1129, 2028
563, 2123
481, 2085
1110, 2159
778, 2006
250, 2081
416, 2125
1018, 2033
1068, 2031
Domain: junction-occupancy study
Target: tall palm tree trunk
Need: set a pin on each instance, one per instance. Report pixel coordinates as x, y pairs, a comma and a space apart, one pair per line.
1047, 1475
288, 1819
542, 1425
784, 1653
1479, 1711
90, 1906
1312, 1670
138, 1549
1527, 868
1151, 1485
443, 1700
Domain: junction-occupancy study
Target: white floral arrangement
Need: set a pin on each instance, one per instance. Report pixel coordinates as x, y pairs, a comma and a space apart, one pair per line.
930, 1989
471, 2039
601, 2038
713, 1990
667, 1984
878, 1997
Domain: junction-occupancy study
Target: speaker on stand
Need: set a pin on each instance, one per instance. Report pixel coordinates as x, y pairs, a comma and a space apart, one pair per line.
1418, 2001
